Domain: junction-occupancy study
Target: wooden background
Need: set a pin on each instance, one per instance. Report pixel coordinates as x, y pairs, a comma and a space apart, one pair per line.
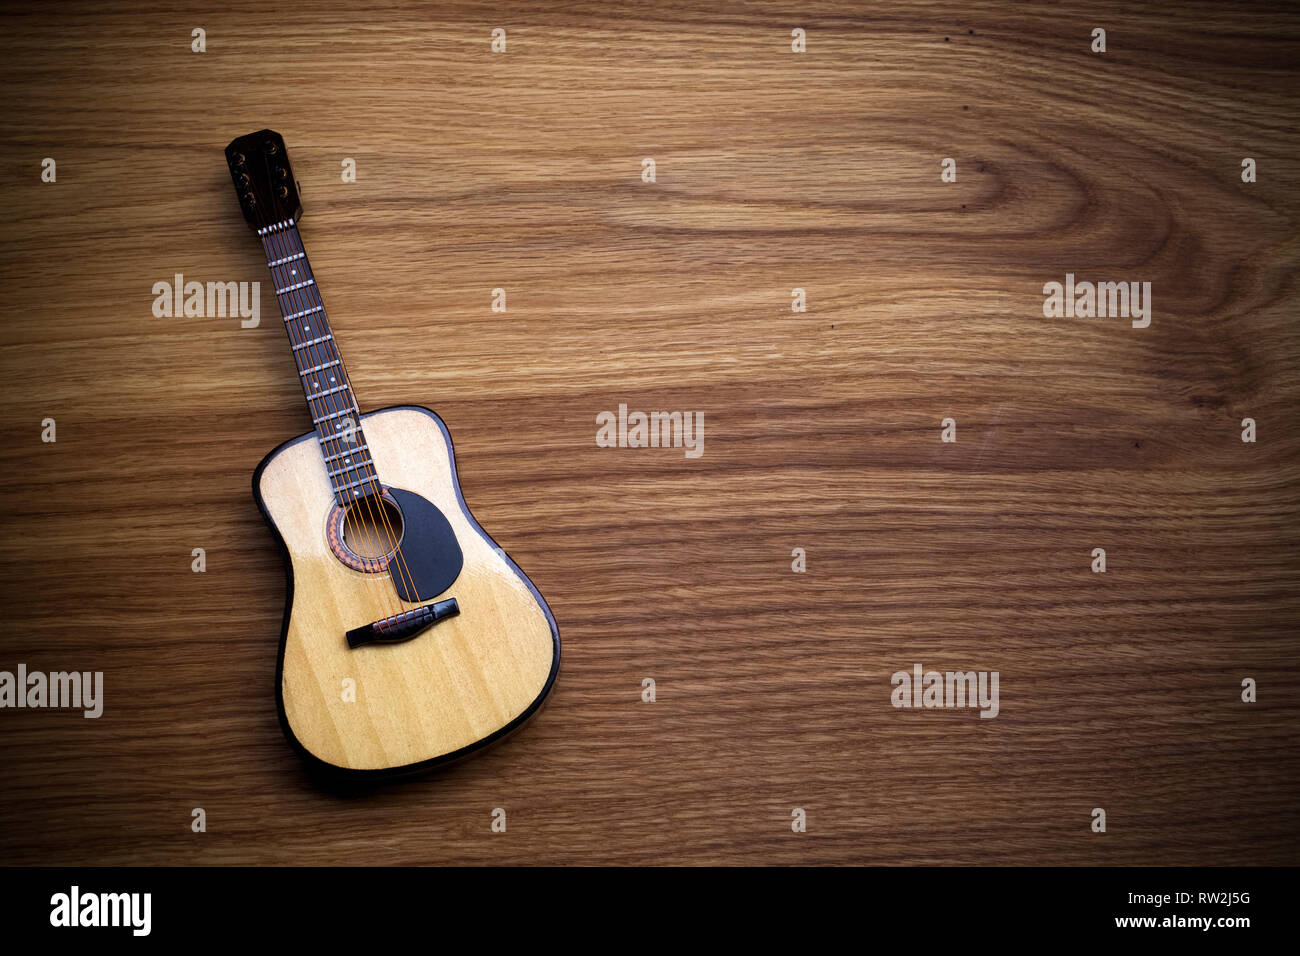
775, 170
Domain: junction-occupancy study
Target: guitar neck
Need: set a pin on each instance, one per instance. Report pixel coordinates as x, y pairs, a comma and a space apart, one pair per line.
324, 380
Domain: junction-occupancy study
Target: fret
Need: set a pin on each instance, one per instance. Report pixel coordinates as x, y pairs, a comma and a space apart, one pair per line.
312, 396
329, 418
300, 273
343, 454
280, 262
302, 345
299, 315
300, 285
346, 468
368, 480
321, 367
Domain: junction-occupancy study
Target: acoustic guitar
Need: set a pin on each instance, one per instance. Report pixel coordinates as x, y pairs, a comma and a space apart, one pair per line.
409, 638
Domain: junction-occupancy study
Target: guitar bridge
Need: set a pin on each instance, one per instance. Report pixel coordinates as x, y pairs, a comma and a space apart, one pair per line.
397, 628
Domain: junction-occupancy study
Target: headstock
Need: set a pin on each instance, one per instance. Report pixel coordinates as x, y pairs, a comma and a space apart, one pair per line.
263, 178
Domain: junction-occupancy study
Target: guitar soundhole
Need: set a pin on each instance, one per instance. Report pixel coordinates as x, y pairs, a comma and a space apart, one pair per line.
366, 534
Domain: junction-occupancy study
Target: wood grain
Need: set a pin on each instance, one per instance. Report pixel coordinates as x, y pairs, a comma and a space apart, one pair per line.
775, 170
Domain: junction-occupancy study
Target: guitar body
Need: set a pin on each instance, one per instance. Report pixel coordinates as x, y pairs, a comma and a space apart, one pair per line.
446, 692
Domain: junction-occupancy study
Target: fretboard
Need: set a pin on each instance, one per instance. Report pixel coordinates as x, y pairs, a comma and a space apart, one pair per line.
324, 380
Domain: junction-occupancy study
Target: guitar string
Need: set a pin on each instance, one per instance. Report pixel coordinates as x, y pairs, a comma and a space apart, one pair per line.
404, 572
275, 250
278, 250
284, 240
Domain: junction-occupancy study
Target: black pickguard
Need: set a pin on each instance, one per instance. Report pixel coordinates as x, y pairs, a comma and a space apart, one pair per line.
429, 558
